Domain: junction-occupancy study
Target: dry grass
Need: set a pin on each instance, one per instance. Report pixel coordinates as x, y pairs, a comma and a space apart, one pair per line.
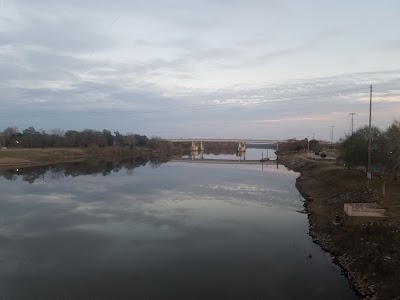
343, 179
10, 158
22, 157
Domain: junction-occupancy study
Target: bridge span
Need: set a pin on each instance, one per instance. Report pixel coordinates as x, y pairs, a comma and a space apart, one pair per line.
249, 141
241, 147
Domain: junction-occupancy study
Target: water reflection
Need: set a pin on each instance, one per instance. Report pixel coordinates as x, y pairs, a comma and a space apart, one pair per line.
89, 167
167, 231
197, 154
249, 154
105, 167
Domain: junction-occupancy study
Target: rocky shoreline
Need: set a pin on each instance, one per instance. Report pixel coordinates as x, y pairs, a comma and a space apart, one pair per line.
351, 246
343, 261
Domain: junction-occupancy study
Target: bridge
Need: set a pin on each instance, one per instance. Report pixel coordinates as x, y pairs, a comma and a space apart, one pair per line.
241, 148
249, 141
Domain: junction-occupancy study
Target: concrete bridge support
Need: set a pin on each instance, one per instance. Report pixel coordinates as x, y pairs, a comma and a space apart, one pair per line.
242, 147
194, 147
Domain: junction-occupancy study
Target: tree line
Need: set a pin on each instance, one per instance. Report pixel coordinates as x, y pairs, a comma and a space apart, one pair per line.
11, 137
294, 145
385, 148
353, 148
32, 138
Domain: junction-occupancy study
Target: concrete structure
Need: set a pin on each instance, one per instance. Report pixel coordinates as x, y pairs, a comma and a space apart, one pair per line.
363, 210
241, 147
194, 147
194, 153
241, 155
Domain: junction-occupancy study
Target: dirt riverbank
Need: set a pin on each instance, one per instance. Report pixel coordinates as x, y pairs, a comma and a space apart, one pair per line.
367, 249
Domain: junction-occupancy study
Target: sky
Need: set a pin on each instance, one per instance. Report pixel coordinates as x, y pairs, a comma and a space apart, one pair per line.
200, 68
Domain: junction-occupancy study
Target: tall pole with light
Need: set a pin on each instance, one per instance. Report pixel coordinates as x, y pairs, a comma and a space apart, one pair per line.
369, 137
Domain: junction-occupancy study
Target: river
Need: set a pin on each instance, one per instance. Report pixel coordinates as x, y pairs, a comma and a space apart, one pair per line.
141, 230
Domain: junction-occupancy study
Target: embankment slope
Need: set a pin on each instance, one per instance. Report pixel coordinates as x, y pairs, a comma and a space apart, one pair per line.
367, 249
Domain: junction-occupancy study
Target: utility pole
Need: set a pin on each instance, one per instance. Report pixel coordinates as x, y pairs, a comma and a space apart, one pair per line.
332, 136
352, 122
369, 137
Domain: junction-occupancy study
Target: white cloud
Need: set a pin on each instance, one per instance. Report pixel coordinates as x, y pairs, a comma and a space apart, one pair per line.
264, 58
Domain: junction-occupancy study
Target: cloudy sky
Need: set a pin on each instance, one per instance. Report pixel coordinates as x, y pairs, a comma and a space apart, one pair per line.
199, 68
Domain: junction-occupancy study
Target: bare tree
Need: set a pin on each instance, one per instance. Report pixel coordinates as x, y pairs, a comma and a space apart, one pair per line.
8, 134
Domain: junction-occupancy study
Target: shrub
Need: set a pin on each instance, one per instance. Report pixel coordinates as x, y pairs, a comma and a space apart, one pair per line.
316, 153
92, 149
323, 155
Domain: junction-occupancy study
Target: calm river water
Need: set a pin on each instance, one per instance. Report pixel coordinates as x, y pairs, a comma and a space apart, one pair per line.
137, 230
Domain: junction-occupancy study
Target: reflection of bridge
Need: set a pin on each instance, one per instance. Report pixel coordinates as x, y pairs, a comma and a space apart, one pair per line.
224, 161
268, 163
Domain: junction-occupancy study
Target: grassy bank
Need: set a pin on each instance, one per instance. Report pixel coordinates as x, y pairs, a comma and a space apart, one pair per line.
37, 156
368, 249
18, 158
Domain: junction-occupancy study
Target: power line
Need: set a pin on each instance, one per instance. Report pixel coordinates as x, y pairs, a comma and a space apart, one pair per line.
187, 108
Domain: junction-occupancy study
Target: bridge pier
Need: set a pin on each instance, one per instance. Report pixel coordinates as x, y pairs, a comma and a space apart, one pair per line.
242, 147
241, 156
194, 147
